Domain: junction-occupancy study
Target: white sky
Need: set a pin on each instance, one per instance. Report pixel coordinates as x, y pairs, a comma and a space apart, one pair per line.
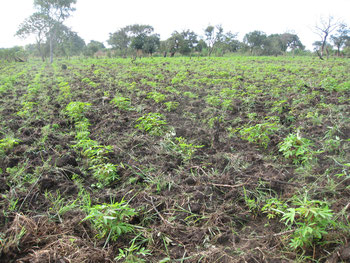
94, 20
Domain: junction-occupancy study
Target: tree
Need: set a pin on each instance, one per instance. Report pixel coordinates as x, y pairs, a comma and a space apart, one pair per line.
324, 28
277, 44
174, 43
69, 43
272, 45
189, 41
151, 44
291, 41
120, 40
93, 47
47, 20
36, 25
231, 42
217, 39
340, 38
201, 45
131, 36
255, 40
209, 33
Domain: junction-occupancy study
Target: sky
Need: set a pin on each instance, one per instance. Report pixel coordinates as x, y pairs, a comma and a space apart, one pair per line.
94, 20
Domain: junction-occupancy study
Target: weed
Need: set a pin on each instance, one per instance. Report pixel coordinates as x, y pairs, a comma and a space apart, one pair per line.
171, 105
27, 107
58, 205
122, 103
153, 123
213, 100
89, 82
7, 144
105, 173
132, 254
309, 218
259, 133
296, 148
75, 110
156, 96
190, 94
185, 149
111, 220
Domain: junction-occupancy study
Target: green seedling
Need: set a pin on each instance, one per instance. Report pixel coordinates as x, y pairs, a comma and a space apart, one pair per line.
105, 173
309, 219
76, 109
296, 148
171, 105
259, 133
7, 144
111, 220
156, 96
153, 123
122, 103
185, 149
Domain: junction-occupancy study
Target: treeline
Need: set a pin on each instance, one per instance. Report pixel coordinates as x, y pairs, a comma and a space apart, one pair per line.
55, 38
140, 39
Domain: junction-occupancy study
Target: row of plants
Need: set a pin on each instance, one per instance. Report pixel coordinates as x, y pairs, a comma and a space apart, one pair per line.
181, 127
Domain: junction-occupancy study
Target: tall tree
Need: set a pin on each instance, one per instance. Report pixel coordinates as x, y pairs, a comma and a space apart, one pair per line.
189, 42
231, 42
47, 20
69, 43
209, 33
255, 40
151, 44
173, 44
36, 25
272, 45
93, 47
120, 40
290, 41
323, 29
339, 39
133, 36
215, 37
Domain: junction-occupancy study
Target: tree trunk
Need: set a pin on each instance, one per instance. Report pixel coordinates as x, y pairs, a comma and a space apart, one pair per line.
210, 51
324, 43
40, 51
51, 49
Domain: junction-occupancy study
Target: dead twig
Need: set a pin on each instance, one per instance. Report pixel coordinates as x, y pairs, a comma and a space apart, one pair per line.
228, 185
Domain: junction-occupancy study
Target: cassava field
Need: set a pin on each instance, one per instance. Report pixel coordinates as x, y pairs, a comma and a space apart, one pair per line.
242, 159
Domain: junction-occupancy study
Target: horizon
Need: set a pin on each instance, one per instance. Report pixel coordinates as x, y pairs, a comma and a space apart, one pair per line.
108, 17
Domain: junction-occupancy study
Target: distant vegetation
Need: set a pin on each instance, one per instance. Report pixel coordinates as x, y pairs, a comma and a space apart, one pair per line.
53, 38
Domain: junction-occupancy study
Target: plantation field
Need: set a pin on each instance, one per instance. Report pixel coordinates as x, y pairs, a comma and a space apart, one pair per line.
242, 159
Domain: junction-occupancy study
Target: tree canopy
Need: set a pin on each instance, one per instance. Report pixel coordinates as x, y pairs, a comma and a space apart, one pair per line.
47, 22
